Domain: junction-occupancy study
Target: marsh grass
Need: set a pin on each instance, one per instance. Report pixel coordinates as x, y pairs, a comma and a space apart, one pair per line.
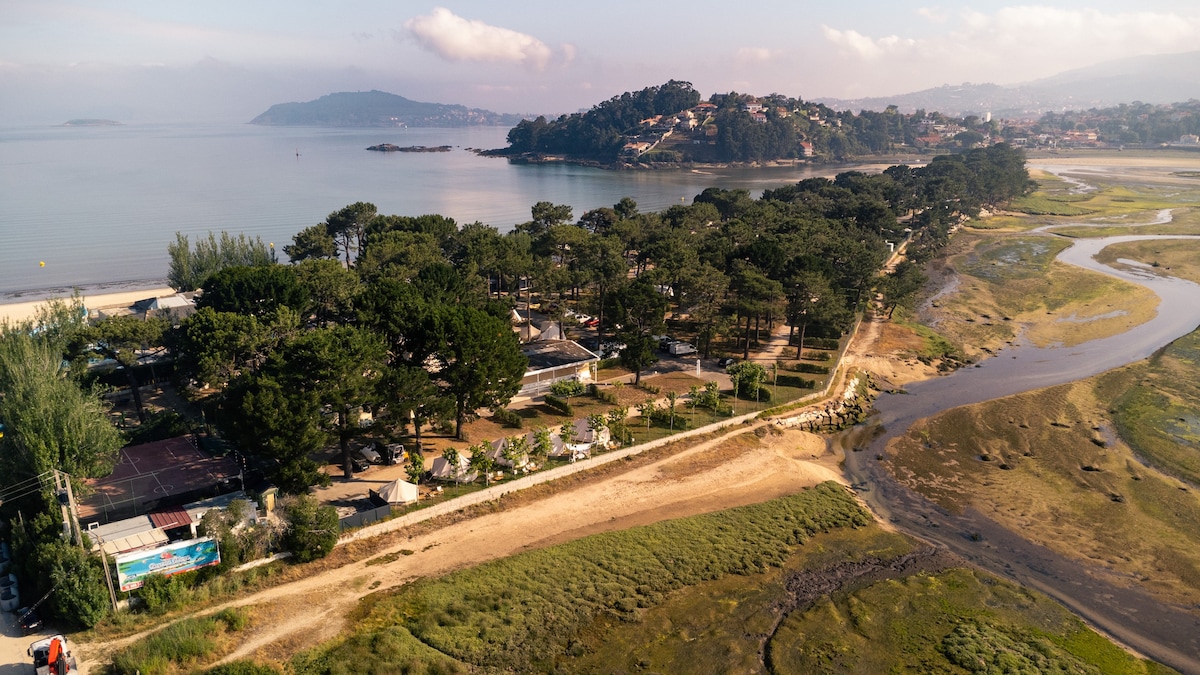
718, 626
1176, 257
1157, 408
181, 646
521, 613
955, 621
1011, 285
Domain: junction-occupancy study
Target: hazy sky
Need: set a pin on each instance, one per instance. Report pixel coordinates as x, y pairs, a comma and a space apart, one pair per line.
218, 60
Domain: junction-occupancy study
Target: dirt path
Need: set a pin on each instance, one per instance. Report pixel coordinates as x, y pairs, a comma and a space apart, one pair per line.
708, 477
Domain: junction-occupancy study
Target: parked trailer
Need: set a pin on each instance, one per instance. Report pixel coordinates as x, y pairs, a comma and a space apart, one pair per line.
681, 348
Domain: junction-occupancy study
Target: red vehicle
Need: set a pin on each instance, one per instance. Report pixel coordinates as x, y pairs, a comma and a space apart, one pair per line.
51, 656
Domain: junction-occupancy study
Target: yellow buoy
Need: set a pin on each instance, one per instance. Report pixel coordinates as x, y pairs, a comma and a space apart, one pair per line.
42, 263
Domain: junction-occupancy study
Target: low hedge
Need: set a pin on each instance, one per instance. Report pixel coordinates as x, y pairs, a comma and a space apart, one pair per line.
559, 405
797, 382
507, 418
807, 368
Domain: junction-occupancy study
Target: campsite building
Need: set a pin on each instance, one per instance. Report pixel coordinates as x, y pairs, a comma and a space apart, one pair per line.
553, 360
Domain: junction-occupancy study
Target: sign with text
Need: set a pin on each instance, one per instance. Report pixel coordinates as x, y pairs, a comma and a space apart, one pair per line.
182, 556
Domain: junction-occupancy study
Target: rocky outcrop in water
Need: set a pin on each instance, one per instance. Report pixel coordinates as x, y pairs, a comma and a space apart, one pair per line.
388, 147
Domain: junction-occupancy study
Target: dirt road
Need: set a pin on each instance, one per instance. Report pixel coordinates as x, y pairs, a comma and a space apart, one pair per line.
708, 477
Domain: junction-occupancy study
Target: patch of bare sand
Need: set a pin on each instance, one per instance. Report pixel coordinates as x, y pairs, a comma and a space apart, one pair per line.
733, 470
887, 351
1124, 159
20, 311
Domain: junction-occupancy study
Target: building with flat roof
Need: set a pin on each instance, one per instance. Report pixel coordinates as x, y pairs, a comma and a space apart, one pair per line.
553, 360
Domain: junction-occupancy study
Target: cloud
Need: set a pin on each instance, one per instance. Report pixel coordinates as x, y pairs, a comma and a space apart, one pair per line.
746, 55
934, 14
854, 43
1020, 42
454, 38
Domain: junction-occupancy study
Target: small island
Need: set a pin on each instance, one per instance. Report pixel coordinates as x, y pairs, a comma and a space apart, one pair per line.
91, 123
388, 147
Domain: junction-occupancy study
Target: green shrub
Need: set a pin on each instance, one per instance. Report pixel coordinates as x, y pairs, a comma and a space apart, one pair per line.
158, 592
797, 382
650, 388
312, 529
80, 595
807, 368
608, 396
567, 388
507, 418
558, 404
242, 668
159, 425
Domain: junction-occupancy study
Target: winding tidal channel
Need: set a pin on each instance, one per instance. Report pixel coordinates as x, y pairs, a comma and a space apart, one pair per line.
1166, 633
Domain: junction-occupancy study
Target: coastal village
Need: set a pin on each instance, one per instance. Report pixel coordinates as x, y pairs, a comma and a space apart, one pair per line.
920, 131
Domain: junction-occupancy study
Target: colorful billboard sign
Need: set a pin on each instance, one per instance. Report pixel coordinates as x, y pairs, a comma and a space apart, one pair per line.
182, 556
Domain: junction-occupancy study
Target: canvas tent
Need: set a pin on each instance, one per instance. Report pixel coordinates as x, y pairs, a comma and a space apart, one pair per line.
443, 471
586, 438
399, 491
499, 447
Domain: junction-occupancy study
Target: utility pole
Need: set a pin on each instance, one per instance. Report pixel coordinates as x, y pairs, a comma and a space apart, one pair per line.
66, 501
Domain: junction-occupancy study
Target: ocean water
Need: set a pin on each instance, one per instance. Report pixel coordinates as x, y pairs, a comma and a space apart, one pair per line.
98, 205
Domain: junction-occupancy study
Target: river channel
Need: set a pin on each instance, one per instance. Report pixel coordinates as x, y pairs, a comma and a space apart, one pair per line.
1163, 632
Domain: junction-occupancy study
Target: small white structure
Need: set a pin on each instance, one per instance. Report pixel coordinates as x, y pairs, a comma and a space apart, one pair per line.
586, 439
442, 470
399, 491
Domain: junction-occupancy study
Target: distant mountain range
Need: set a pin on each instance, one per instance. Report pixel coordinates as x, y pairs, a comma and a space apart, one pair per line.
1167, 78
379, 109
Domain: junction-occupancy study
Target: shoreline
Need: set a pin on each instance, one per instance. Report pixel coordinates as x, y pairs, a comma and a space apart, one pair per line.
17, 306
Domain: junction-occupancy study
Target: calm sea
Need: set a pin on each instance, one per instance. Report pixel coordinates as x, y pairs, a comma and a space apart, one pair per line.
98, 205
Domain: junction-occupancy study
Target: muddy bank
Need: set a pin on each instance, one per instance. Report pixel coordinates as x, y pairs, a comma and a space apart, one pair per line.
1164, 632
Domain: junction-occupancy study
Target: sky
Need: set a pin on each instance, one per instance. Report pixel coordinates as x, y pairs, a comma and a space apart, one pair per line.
160, 61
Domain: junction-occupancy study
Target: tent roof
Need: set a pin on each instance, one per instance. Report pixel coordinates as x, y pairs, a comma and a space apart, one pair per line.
399, 491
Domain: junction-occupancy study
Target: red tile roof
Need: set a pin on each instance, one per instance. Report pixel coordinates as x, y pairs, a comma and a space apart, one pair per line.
165, 520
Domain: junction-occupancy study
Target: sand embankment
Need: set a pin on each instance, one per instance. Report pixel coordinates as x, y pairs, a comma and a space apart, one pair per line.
20, 311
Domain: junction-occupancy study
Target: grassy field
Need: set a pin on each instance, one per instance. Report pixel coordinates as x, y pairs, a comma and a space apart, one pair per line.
181, 646
716, 593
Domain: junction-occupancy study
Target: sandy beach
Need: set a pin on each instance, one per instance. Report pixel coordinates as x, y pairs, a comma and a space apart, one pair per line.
19, 311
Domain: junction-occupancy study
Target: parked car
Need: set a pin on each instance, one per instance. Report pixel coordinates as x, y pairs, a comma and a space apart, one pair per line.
725, 362
30, 620
592, 323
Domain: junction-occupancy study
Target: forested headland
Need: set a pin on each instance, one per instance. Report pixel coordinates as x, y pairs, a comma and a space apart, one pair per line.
670, 124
